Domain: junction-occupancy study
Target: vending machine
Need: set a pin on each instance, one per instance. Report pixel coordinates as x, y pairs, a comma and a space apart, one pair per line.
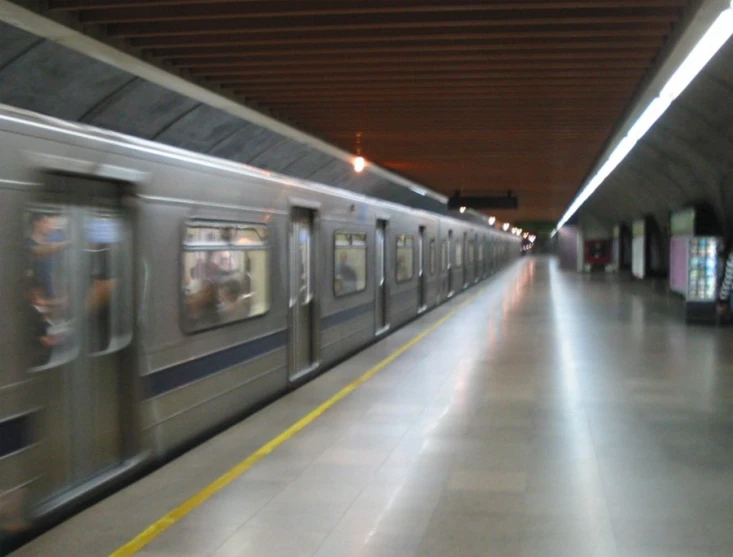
702, 278
694, 265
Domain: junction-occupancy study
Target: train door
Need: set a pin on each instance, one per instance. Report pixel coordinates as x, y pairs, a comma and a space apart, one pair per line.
421, 274
79, 272
450, 263
303, 280
464, 263
443, 268
482, 257
382, 323
478, 258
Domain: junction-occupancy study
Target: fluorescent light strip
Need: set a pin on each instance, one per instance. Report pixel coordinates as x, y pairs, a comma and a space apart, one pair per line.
710, 43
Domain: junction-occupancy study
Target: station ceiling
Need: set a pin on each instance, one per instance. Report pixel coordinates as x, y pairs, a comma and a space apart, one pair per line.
483, 96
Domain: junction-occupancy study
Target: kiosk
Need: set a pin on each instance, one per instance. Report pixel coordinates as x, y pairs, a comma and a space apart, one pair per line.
694, 263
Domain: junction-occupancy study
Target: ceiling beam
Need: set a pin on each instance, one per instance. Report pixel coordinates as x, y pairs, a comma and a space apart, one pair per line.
87, 5
475, 109
226, 53
442, 80
436, 70
242, 38
452, 80
506, 92
346, 24
253, 10
498, 95
359, 102
347, 59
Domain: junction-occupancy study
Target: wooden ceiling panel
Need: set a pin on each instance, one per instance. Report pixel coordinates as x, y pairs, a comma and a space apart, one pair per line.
483, 95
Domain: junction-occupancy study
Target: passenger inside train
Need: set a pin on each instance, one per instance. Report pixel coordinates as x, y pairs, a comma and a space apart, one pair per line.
44, 242
220, 284
102, 235
349, 263
345, 275
47, 294
40, 327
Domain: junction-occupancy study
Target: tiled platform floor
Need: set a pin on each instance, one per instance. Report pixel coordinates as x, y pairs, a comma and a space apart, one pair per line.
556, 415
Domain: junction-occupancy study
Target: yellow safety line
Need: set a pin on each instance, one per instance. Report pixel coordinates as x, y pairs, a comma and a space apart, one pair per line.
165, 522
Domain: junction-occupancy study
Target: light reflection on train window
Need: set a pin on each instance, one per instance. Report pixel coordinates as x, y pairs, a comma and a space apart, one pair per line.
106, 263
226, 273
405, 267
48, 289
349, 263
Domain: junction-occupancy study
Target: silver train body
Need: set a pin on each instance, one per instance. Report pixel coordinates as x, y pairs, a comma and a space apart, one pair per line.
149, 295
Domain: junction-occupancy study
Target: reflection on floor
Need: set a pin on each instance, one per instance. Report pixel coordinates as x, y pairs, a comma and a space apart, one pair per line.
556, 415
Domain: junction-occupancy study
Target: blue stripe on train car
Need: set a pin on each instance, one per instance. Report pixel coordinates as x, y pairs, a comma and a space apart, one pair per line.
166, 380
15, 434
345, 315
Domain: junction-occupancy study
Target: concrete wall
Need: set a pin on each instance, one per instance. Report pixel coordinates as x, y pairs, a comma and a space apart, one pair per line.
43, 76
687, 157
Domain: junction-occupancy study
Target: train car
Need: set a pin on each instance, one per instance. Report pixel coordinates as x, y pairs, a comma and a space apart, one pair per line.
149, 295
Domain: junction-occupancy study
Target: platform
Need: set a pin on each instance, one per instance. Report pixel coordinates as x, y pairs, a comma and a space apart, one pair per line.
543, 414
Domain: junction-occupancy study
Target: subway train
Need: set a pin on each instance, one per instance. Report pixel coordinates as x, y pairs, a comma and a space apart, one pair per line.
149, 295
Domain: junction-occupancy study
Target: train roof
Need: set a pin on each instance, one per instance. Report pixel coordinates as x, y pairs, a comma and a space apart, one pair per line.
52, 124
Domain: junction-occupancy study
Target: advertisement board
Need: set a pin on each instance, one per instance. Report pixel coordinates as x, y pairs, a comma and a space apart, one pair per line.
678, 259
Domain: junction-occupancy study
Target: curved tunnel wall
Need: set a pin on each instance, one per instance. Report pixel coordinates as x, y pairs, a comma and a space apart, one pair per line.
45, 77
686, 158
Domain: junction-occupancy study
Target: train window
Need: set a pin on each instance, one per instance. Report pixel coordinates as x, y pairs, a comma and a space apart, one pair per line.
431, 257
108, 256
471, 250
405, 268
48, 274
349, 263
444, 255
459, 253
226, 273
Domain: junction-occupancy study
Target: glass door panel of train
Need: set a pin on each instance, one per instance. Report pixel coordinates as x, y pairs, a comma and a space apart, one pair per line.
421, 274
464, 264
381, 277
480, 243
303, 277
477, 258
79, 274
444, 268
450, 264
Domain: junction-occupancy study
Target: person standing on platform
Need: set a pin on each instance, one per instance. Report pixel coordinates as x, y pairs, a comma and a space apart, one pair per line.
725, 300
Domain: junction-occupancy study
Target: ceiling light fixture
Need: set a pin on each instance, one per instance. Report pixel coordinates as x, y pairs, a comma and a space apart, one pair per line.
359, 162
710, 43
492, 221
